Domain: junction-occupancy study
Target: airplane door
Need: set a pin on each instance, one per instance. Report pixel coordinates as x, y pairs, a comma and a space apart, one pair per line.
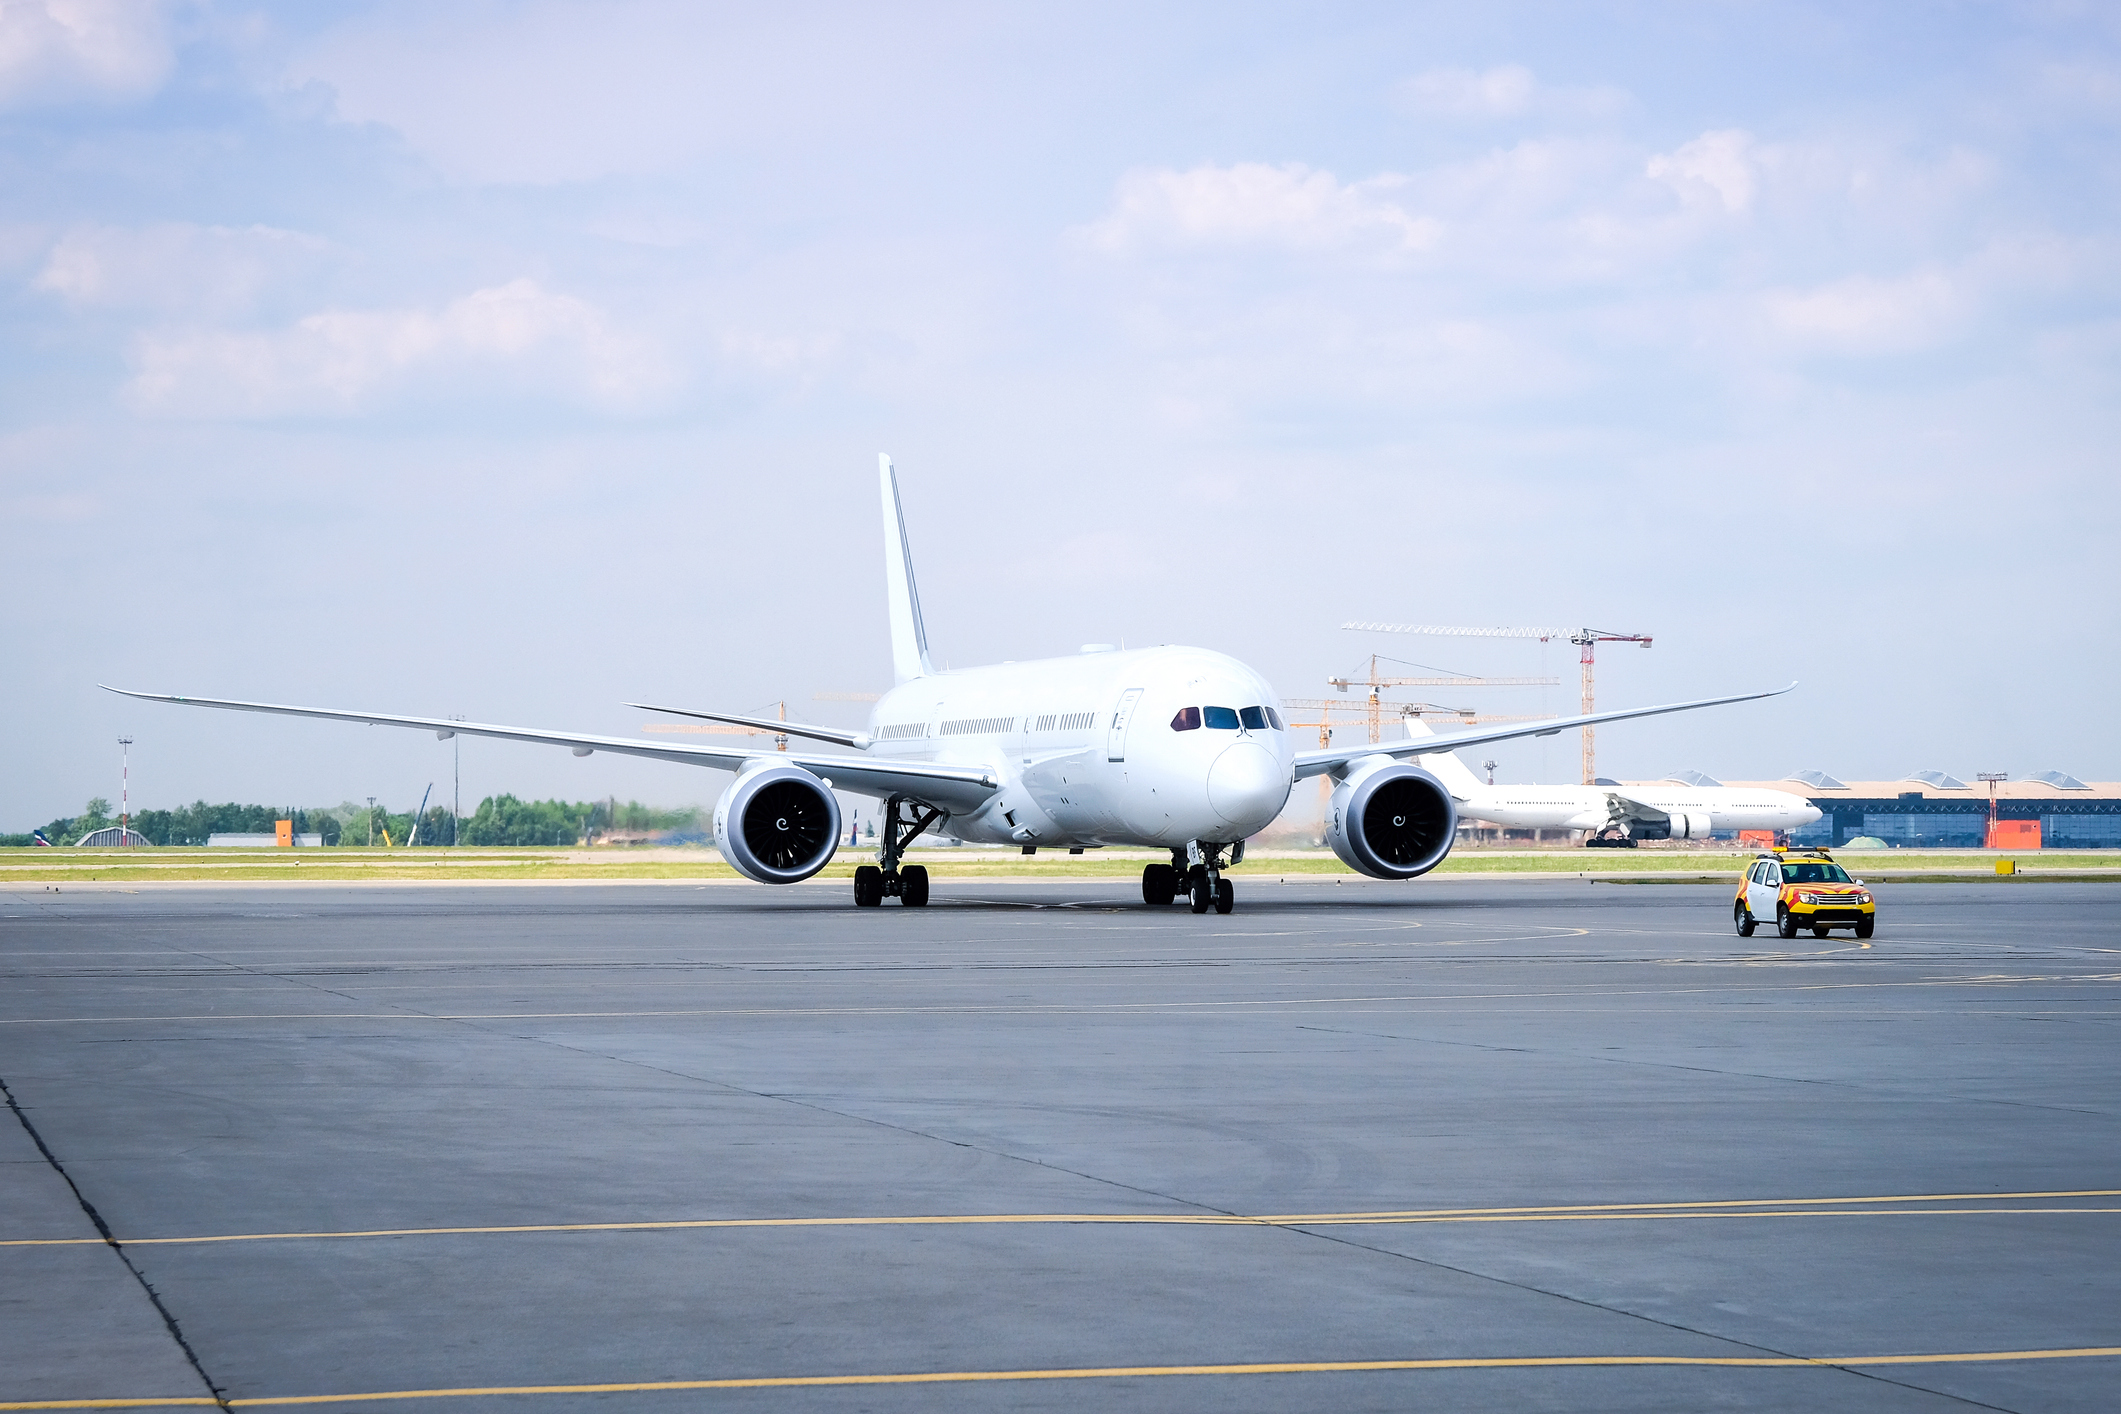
1116, 738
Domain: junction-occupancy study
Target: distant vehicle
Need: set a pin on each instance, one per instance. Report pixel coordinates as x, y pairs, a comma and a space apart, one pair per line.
1170, 748
1802, 888
1625, 813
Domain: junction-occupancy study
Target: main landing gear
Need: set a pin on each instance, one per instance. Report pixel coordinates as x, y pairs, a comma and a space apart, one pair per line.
903, 820
1196, 872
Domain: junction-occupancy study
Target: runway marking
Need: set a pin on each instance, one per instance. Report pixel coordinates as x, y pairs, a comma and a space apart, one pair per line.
1126, 1372
1581, 1212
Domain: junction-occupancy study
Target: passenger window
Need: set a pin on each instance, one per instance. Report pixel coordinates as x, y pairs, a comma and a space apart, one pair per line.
1774, 876
1254, 718
1221, 719
1187, 720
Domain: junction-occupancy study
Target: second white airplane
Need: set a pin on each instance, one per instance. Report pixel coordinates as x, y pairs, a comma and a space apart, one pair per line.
1643, 812
1170, 748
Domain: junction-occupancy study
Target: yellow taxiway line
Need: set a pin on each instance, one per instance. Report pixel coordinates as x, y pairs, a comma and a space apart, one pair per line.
1119, 1372
1591, 1212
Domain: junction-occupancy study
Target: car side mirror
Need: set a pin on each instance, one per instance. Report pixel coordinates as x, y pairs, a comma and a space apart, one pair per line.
1859, 881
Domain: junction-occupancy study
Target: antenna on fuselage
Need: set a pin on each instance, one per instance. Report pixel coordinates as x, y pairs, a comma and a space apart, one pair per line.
909, 636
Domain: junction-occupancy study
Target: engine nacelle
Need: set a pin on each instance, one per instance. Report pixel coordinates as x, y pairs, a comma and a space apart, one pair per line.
1393, 821
777, 824
1690, 824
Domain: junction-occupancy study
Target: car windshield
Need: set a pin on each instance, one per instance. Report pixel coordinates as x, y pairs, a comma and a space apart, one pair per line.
1814, 874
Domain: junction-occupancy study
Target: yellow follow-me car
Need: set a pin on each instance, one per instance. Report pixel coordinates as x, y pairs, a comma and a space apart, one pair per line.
1802, 888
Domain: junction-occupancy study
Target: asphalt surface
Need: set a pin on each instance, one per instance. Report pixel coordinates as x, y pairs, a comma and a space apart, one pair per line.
270, 1064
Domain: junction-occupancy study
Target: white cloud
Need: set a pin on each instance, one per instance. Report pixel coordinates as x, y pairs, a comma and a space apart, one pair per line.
1253, 203
1864, 314
1505, 91
175, 268
59, 51
1464, 93
1715, 166
512, 341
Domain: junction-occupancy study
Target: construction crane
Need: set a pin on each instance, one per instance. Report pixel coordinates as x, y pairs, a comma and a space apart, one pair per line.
1586, 639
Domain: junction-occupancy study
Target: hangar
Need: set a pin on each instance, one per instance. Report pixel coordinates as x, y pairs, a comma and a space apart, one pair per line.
1932, 809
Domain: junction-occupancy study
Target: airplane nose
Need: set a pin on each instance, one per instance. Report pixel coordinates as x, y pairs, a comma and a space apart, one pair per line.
1247, 785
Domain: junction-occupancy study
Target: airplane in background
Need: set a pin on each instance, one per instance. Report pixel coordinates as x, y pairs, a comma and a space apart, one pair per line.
1643, 812
1167, 748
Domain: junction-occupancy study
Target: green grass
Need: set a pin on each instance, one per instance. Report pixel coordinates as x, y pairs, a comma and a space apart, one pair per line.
327, 866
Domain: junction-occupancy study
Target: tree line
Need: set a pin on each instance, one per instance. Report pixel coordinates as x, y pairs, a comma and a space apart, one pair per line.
499, 820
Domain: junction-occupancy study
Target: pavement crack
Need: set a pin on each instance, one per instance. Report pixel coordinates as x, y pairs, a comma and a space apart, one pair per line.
169, 1320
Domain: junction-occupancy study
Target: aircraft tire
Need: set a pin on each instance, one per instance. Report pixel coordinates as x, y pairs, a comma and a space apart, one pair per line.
1225, 896
1159, 884
868, 886
1200, 895
913, 886
1742, 919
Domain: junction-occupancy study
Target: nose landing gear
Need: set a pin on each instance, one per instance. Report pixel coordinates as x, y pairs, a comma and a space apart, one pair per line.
903, 820
1195, 871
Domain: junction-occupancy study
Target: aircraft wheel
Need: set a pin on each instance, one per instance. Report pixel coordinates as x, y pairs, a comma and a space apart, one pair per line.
1225, 896
868, 886
1159, 884
913, 886
1201, 897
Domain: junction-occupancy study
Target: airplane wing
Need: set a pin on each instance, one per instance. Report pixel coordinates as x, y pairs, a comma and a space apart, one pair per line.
955, 789
1315, 763
768, 725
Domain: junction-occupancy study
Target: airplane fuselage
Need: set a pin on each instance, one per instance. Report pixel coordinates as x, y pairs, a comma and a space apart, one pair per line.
1087, 751
1586, 807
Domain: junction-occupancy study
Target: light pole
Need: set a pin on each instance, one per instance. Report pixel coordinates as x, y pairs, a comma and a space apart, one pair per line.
125, 789
371, 822
456, 783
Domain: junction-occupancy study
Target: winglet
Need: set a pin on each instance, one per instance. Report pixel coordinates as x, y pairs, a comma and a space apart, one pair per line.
909, 636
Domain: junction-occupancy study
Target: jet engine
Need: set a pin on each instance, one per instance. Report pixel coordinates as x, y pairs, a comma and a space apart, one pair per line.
1690, 824
777, 824
1393, 821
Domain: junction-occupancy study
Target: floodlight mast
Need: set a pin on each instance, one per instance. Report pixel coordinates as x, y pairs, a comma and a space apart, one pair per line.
125, 790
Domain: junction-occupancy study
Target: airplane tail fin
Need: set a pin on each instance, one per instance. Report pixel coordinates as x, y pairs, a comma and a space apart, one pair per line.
909, 636
1445, 765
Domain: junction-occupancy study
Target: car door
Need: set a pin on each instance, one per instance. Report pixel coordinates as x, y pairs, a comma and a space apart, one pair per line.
1767, 884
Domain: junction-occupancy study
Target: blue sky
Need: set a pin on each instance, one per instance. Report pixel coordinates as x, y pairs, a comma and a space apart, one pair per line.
516, 360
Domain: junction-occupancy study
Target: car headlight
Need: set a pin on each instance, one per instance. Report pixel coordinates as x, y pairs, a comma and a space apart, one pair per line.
1863, 898
1807, 898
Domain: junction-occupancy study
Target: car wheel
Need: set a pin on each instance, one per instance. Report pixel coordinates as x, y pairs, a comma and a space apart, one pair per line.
868, 886
1225, 896
1866, 926
1821, 932
913, 886
1742, 919
1785, 922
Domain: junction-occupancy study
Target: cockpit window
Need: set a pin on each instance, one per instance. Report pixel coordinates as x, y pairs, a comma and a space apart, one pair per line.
1187, 720
1254, 718
1222, 719
1273, 718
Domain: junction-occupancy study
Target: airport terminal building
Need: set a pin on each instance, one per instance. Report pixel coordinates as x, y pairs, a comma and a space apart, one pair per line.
1933, 810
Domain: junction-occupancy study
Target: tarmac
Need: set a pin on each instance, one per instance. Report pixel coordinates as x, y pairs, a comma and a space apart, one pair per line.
1456, 1144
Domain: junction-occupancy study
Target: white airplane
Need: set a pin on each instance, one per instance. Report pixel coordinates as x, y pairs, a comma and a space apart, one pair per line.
1170, 748
1653, 812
